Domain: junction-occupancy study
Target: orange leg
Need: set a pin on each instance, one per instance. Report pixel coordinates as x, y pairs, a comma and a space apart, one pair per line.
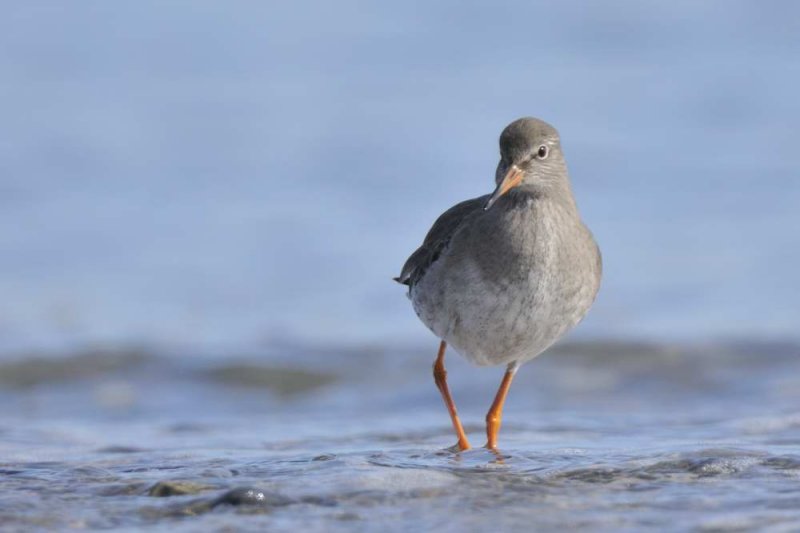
440, 377
495, 415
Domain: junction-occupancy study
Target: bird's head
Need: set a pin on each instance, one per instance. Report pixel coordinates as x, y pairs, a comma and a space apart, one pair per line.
530, 158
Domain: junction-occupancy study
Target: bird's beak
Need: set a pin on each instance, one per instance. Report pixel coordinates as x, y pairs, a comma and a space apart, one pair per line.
512, 178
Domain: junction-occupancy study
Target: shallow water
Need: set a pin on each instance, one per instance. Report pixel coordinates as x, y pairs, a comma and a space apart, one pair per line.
596, 436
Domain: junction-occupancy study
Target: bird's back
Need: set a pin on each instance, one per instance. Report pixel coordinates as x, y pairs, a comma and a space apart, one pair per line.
437, 239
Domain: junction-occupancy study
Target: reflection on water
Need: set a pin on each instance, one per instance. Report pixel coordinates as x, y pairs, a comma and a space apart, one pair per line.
596, 436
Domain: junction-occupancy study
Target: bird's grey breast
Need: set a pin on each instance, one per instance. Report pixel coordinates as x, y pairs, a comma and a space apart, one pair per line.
511, 282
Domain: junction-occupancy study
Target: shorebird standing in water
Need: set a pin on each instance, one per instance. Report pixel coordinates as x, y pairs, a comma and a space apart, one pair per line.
503, 276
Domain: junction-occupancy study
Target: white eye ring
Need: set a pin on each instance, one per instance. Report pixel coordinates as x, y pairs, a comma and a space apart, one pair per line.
543, 152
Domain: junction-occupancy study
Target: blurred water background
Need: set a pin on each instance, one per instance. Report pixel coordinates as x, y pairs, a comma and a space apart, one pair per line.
202, 206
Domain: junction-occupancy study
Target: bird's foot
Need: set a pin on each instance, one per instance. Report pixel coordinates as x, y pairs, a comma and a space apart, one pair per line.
491, 448
459, 447
497, 453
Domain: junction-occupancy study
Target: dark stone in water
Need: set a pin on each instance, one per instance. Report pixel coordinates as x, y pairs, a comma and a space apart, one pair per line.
782, 463
251, 496
176, 488
134, 488
255, 500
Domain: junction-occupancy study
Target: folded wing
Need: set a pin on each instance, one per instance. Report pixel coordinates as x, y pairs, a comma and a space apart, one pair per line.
437, 239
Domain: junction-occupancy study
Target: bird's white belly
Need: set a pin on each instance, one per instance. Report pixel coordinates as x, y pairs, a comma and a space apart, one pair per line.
490, 323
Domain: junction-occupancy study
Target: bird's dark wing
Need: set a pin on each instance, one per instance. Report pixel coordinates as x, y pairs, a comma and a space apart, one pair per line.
437, 239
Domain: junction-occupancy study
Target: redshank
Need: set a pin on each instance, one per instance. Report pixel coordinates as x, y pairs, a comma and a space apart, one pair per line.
503, 276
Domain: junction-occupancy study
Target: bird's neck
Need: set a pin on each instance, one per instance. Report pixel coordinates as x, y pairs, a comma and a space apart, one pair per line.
557, 194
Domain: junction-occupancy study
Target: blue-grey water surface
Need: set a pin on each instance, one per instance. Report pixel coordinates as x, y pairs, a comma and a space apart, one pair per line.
597, 436
202, 205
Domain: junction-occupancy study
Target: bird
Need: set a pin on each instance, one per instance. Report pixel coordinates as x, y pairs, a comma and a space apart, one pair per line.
503, 276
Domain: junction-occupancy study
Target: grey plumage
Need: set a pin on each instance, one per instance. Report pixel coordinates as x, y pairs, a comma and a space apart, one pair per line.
503, 276
438, 238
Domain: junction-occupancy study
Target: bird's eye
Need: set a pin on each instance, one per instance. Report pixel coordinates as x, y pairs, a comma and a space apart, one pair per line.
542, 153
